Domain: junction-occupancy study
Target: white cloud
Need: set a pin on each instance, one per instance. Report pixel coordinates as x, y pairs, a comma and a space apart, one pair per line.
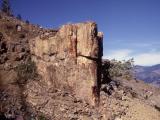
147, 59
119, 54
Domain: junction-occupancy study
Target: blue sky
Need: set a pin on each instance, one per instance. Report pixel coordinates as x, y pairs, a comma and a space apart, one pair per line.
131, 27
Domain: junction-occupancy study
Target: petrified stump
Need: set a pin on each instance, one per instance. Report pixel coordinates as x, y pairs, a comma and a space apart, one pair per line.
71, 58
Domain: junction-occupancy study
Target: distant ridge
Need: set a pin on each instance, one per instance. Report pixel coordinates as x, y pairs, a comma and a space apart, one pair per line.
149, 74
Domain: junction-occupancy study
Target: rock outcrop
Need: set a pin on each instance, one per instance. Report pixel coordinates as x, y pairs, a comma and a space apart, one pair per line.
71, 59
68, 86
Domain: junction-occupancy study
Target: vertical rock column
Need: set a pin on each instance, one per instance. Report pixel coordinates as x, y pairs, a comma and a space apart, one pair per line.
71, 59
89, 62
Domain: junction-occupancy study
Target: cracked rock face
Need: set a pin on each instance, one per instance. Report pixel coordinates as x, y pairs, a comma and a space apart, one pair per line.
70, 59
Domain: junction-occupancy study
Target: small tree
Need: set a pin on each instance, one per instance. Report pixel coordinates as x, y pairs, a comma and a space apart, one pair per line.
27, 21
19, 17
6, 7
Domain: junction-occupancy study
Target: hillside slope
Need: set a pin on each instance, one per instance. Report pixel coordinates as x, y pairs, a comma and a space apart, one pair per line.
35, 98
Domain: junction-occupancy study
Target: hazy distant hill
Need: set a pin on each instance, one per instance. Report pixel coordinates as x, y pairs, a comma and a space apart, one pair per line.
148, 74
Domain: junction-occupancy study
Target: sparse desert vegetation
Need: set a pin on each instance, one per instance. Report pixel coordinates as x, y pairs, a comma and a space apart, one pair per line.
59, 74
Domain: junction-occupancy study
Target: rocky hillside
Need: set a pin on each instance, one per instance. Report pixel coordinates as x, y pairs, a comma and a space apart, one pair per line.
148, 74
56, 75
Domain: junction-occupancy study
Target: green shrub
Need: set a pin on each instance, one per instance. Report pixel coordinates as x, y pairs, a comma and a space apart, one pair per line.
26, 71
122, 69
41, 117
